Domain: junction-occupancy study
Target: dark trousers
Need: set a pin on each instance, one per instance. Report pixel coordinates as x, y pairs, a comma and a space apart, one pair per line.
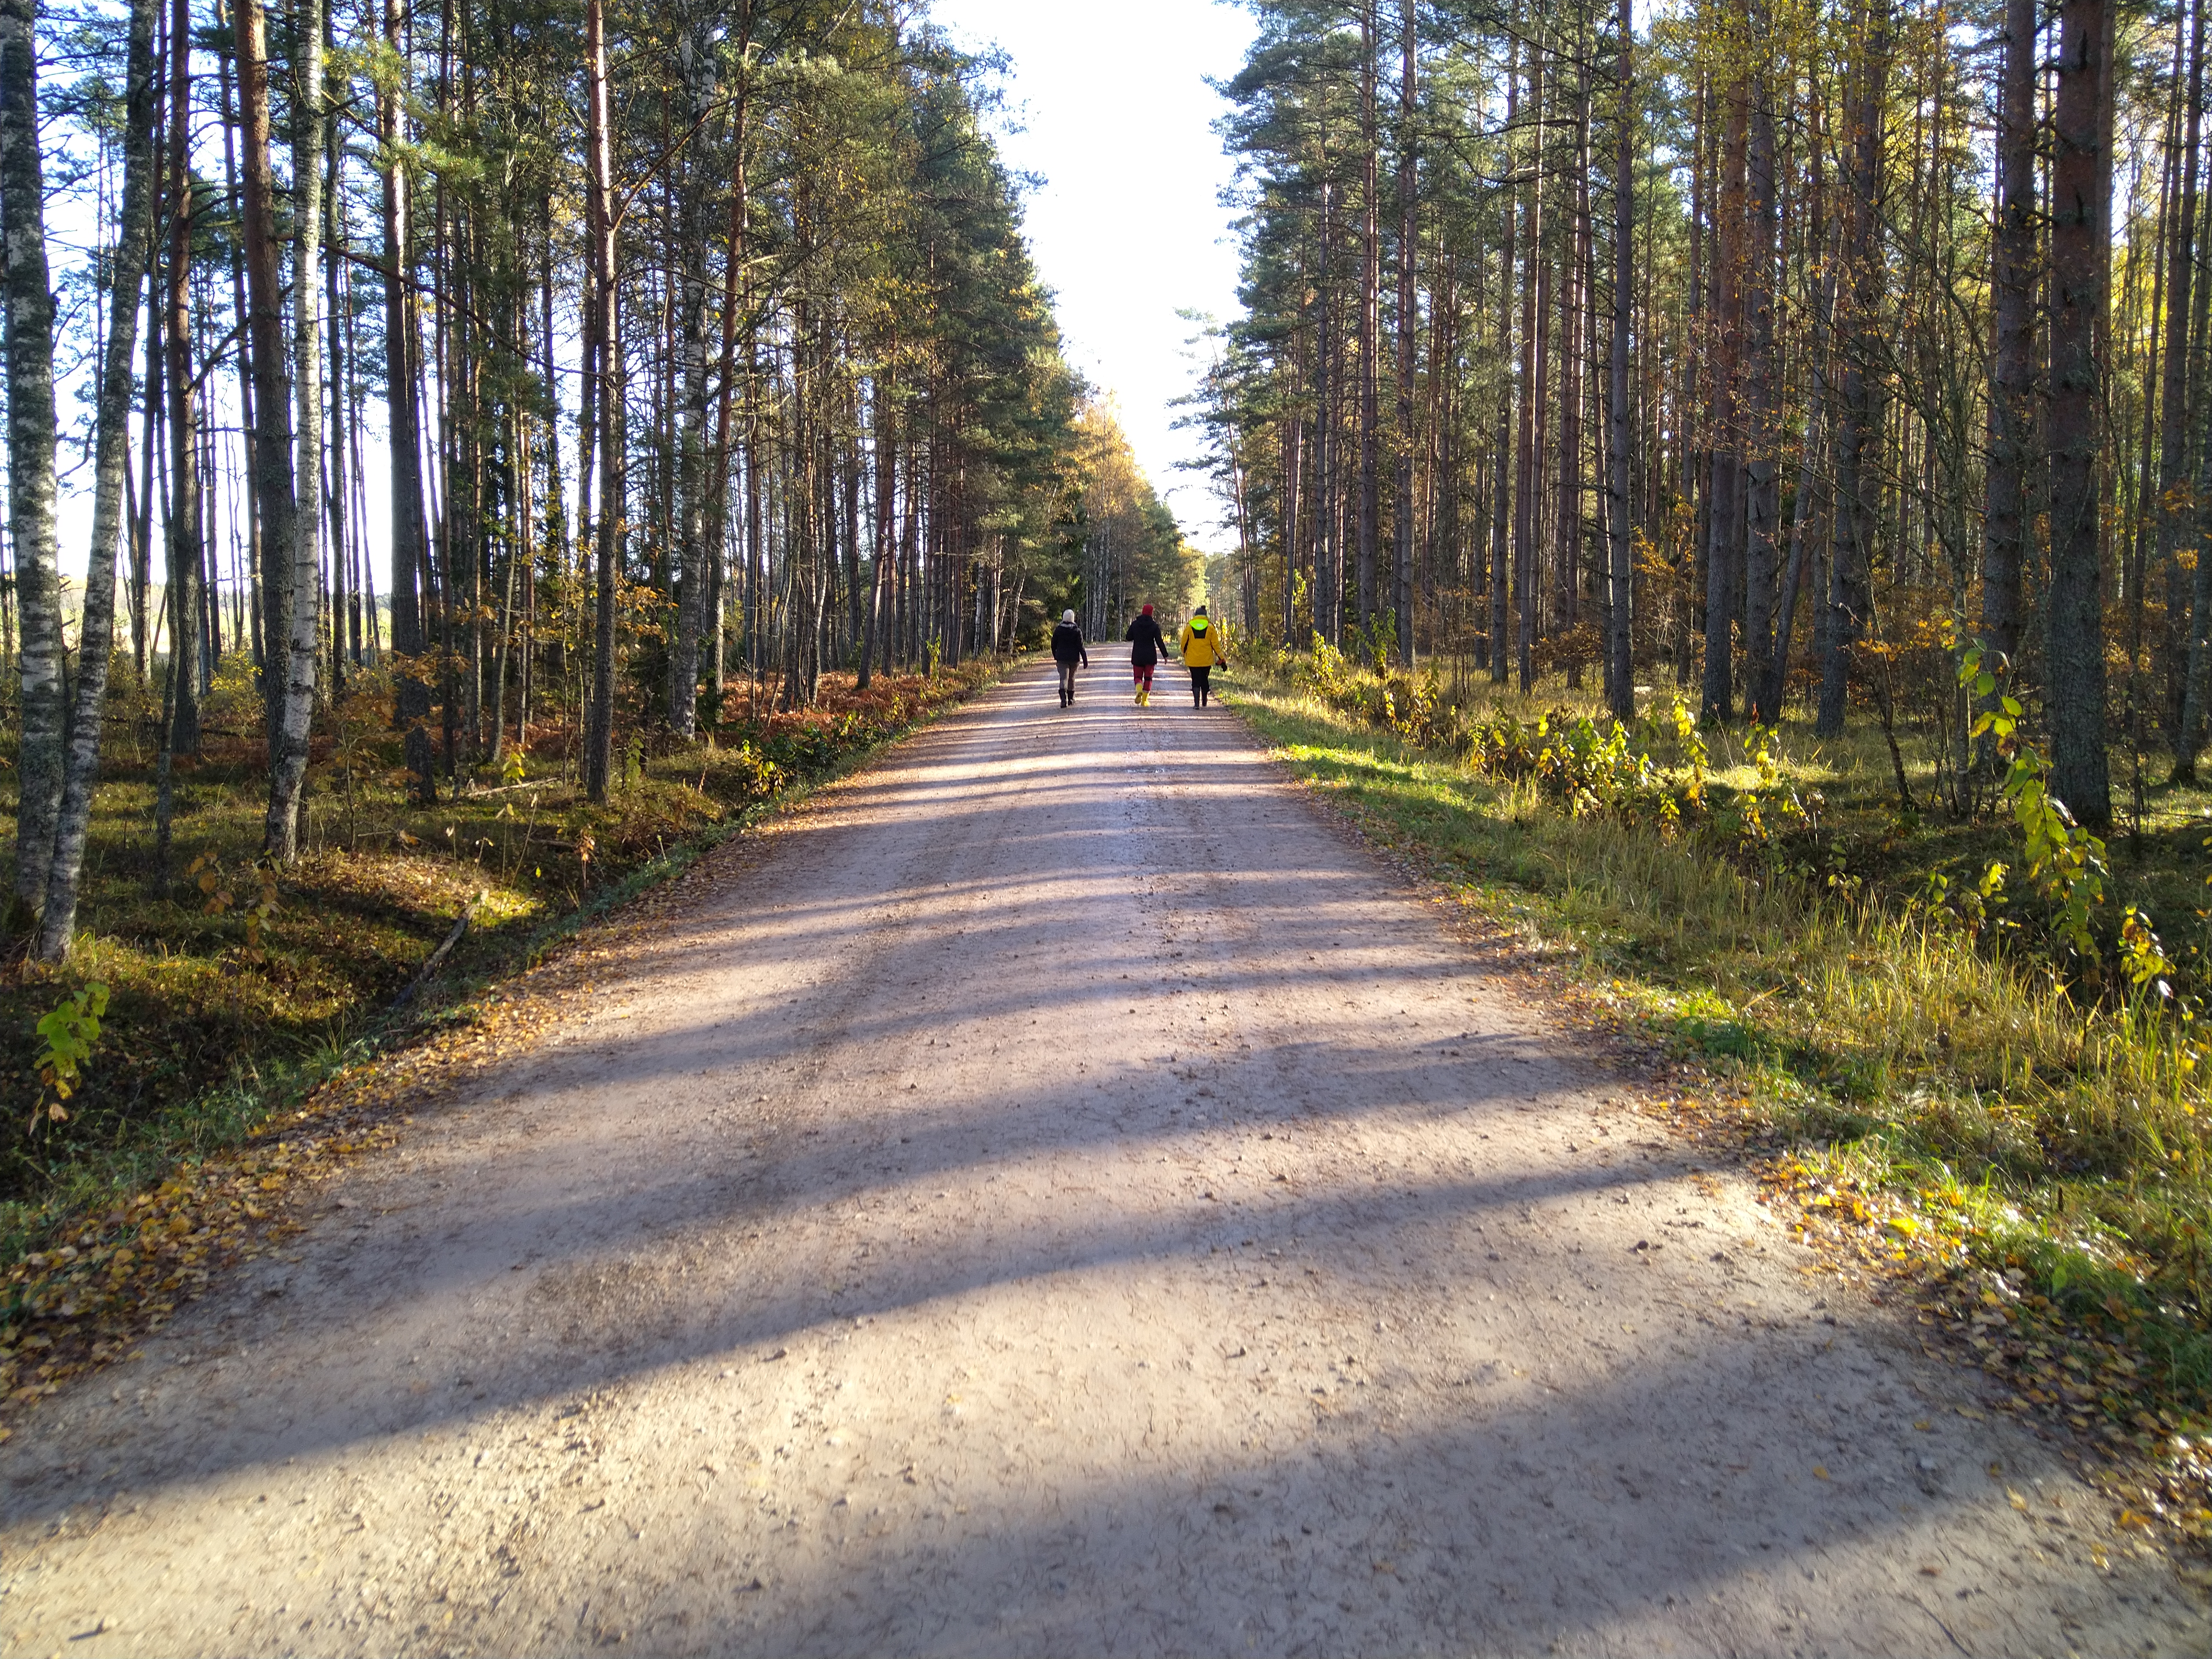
1066, 682
1200, 691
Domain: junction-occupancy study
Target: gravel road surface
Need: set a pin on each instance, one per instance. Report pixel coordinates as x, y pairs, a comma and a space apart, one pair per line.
1058, 1195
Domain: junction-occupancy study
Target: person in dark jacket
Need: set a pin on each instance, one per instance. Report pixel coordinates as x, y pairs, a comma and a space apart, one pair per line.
1066, 652
1146, 642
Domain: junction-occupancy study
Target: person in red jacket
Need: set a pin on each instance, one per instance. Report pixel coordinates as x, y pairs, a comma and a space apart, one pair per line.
1146, 643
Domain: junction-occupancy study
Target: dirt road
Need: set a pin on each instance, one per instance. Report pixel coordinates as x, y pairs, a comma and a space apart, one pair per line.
1057, 1196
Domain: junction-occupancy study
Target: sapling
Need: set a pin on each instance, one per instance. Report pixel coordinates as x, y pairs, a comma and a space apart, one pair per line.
68, 1035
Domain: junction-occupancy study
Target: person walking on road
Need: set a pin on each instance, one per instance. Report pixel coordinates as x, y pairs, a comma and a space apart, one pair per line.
1146, 642
1066, 652
1201, 652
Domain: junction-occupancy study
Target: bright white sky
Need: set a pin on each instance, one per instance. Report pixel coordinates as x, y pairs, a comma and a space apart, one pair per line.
1111, 107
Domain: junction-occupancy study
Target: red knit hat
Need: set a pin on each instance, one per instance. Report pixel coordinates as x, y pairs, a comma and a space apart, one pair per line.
1148, 611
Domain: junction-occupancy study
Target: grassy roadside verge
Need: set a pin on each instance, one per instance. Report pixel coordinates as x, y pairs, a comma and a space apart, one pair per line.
1941, 1115
125, 1230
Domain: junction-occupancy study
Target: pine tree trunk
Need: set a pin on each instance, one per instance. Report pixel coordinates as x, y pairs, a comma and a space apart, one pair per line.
1762, 407
1574, 378
1621, 674
150, 428
272, 438
1527, 482
1810, 456
2185, 383
112, 461
1328, 590
556, 515
2081, 189
1858, 425
884, 453
1501, 467
1370, 316
185, 550
1725, 525
402, 358
248, 631
2012, 362
848, 452
736, 296
1408, 323
695, 531
598, 753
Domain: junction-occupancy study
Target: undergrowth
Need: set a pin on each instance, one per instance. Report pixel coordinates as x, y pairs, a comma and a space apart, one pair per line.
2033, 1120
233, 989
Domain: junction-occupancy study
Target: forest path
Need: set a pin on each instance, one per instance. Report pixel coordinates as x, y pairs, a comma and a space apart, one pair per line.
1057, 1195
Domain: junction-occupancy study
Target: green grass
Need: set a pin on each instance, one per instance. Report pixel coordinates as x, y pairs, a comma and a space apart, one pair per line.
2038, 1131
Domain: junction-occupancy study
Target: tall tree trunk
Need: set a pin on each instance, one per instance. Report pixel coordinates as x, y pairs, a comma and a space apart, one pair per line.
1527, 470
2184, 395
1810, 456
1501, 488
883, 447
736, 296
112, 460
301, 550
141, 581
337, 288
848, 454
1725, 521
1530, 619
696, 540
402, 358
1621, 674
272, 438
1574, 376
1762, 404
185, 550
2082, 191
2012, 362
31, 432
2191, 725
1328, 598
557, 510
1858, 425
1408, 323
248, 631
1371, 315
1290, 521
599, 753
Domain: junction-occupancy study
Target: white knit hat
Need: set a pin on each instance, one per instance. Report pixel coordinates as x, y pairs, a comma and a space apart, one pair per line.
1068, 616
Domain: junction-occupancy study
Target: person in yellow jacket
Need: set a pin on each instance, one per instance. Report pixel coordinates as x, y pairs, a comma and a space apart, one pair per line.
1201, 648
